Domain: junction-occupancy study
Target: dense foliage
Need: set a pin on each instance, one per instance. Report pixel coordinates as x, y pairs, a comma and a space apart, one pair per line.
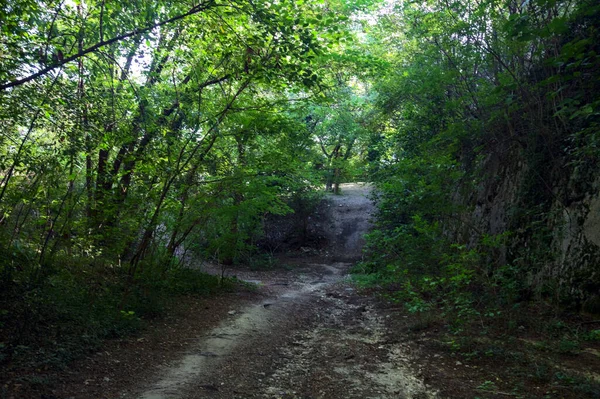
487, 153
140, 136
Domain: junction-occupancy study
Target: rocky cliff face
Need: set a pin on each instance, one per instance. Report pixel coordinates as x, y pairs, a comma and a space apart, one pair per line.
550, 214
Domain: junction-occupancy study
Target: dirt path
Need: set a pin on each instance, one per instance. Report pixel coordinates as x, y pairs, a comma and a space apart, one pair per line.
305, 332
310, 336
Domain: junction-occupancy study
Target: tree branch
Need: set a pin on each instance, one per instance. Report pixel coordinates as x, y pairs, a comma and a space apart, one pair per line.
103, 43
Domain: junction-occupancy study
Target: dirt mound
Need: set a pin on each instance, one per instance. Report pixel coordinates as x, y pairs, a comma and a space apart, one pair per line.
334, 227
347, 218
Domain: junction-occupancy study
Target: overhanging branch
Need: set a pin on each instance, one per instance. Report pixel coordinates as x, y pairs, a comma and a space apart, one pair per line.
194, 10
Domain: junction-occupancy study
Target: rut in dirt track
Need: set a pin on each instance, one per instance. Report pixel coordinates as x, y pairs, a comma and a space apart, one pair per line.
312, 336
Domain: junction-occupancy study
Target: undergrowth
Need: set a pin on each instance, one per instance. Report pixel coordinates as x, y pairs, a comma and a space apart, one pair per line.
479, 309
53, 314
